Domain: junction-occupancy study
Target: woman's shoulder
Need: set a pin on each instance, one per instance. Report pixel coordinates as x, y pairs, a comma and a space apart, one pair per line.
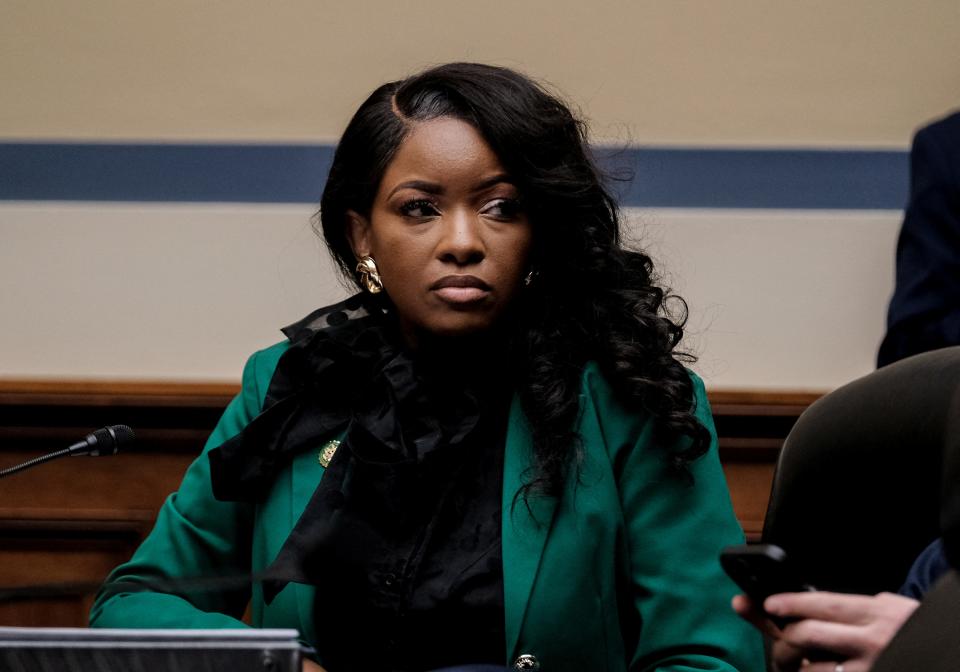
596, 387
262, 363
620, 424
257, 373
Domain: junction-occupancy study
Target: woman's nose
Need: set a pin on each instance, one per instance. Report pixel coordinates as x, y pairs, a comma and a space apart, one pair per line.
461, 239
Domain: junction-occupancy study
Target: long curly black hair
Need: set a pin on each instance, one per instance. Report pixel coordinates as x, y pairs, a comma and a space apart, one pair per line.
592, 298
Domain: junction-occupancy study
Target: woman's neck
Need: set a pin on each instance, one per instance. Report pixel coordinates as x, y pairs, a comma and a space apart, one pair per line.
468, 357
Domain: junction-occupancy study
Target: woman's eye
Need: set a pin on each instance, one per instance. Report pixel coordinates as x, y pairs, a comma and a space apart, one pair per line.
419, 208
503, 208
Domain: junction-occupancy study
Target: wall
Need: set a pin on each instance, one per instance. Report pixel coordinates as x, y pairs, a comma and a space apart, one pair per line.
784, 293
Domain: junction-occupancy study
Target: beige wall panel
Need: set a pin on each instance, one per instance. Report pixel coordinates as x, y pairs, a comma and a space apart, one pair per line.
778, 299
857, 72
167, 292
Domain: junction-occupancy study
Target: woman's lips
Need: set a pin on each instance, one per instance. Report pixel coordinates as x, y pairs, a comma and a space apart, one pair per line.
461, 289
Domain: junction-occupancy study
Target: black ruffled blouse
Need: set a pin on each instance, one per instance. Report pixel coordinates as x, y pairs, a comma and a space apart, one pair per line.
402, 536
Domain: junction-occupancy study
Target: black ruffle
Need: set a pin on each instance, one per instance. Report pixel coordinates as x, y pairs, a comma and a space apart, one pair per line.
402, 533
345, 368
333, 354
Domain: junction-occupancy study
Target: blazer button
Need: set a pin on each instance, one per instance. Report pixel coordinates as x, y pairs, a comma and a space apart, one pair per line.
526, 662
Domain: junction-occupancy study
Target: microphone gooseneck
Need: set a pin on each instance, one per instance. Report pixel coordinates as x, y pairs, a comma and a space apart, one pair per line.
105, 441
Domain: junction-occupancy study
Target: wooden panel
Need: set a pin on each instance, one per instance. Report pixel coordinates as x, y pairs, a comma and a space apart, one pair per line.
68, 563
67, 523
72, 520
108, 393
751, 426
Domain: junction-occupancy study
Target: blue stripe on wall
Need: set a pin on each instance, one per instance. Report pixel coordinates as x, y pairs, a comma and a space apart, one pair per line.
766, 178
272, 173
163, 172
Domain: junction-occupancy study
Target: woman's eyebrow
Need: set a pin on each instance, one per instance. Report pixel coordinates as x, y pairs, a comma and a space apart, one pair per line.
438, 189
419, 185
492, 181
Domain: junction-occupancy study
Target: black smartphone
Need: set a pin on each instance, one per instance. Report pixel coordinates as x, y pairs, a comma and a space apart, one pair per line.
762, 570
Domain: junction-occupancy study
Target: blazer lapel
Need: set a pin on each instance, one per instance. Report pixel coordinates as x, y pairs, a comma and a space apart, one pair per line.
525, 528
306, 474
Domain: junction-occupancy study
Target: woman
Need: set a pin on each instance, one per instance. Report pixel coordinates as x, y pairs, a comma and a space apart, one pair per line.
515, 467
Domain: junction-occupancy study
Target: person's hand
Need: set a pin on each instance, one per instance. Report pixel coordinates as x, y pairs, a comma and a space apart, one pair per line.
310, 666
840, 632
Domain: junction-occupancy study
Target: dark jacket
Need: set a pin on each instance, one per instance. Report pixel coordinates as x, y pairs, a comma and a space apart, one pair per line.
924, 312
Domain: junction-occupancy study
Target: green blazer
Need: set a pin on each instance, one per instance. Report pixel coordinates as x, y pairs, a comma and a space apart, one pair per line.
620, 573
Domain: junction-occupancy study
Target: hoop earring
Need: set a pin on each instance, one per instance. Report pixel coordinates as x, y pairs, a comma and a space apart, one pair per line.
369, 275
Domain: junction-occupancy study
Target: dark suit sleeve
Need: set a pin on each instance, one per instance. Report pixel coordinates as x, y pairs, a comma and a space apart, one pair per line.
926, 571
195, 537
924, 312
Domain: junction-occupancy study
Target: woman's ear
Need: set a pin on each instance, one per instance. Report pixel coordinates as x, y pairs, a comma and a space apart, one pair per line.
358, 234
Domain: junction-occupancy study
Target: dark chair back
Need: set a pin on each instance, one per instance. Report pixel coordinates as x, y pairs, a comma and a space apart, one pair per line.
928, 640
856, 493
950, 487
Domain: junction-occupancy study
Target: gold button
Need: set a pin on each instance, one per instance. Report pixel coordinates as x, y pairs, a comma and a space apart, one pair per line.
526, 662
326, 453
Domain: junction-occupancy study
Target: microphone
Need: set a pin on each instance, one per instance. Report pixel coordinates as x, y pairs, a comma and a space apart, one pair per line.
106, 441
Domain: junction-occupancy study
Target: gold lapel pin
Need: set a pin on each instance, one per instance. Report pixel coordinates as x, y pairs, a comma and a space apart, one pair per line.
326, 453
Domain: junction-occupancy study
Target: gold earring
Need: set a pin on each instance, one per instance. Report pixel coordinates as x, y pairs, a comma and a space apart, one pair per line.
369, 274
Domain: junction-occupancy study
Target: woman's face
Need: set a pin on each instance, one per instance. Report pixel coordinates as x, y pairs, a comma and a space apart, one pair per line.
447, 232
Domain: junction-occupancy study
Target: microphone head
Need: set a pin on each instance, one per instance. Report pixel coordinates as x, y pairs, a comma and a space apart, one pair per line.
122, 434
107, 441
